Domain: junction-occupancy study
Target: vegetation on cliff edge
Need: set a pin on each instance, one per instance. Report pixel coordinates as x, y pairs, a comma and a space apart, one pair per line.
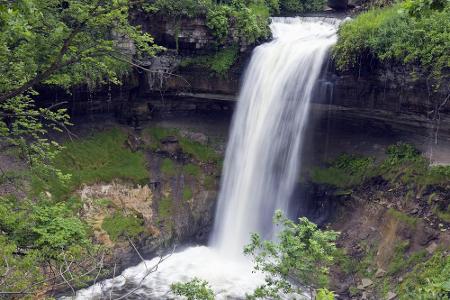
413, 33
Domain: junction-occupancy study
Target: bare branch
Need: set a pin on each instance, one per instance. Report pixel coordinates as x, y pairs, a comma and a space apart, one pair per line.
149, 271
100, 269
8, 269
114, 276
138, 253
65, 280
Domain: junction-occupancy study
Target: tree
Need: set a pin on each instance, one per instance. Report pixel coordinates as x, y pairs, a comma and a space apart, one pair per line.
300, 256
62, 43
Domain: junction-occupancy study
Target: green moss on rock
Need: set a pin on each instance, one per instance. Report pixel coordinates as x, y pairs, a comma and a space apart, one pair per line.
119, 225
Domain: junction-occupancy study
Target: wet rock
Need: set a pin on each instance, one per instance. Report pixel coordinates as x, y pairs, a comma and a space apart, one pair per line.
195, 136
169, 140
133, 142
365, 283
170, 145
432, 247
391, 296
380, 273
426, 235
364, 296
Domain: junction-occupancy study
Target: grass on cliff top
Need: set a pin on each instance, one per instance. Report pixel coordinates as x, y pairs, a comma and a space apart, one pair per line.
411, 33
100, 157
404, 164
200, 152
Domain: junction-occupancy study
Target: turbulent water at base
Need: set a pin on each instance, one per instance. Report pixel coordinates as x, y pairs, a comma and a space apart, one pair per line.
260, 170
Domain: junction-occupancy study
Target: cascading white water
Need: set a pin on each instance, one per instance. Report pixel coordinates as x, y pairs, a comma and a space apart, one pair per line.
262, 159
260, 170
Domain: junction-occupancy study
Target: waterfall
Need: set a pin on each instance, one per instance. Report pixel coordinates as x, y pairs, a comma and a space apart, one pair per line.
260, 170
262, 158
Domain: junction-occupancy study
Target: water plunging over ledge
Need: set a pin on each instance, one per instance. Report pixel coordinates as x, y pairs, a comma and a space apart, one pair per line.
260, 169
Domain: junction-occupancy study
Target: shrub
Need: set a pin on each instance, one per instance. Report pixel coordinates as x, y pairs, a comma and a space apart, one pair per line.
188, 8
392, 36
428, 280
250, 15
345, 171
301, 252
119, 225
300, 6
403, 164
219, 63
56, 228
217, 21
195, 289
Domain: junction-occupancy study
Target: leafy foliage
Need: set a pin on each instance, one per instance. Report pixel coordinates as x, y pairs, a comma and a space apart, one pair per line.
61, 43
56, 228
219, 63
194, 289
35, 233
176, 8
345, 171
392, 35
302, 254
428, 280
119, 225
300, 6
24, 127
403, 164
248, 18
418, 8
64, 43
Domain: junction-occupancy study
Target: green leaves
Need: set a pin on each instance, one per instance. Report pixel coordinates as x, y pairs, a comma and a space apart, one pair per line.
301, 254
428, 280
56, 229
195, 289
70, 44
391, 36
119, 225
299, 6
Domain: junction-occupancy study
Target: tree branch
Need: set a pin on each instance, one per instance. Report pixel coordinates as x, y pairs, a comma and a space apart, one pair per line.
56, 65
